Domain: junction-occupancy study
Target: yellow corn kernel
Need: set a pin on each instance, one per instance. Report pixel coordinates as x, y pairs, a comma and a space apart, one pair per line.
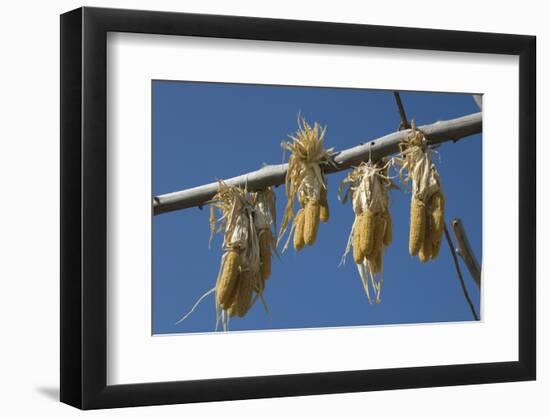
311, 222
358, 254
367, 232
246, 290
299, 230
228, 277
417, 226
425, 251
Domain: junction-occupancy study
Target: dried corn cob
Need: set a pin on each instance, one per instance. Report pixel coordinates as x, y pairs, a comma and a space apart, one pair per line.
427, 201
247, 221
379, 232
368, 232
425, 251
371, 232
243, 300
437, 205
299, 230
417, 228
228, 276
311, 221
359, 225
306, 181
263, 204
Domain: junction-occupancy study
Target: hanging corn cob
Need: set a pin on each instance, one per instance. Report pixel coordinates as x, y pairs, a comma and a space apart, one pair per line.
306, 180
265, 222
371, 232
427, 201
248, 223
240, 264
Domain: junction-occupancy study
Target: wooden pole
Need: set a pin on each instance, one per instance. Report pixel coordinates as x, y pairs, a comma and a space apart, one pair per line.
272, 175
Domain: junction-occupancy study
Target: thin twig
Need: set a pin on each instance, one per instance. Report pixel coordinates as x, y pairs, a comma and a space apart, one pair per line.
457, 267
404, 121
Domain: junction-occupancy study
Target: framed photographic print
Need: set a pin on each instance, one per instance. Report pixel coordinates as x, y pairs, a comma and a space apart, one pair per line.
257, 208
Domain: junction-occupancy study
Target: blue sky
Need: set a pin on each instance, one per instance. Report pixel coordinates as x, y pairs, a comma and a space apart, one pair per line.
205, 131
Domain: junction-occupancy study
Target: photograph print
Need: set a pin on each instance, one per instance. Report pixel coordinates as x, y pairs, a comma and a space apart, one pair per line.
296, 207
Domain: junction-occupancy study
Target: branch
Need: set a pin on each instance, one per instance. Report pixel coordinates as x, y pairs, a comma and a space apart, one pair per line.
459, 273
464, 250
478, 98
404, 121
271, 175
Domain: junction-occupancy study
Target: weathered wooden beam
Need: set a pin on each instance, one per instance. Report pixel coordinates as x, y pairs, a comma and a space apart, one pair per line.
271, 175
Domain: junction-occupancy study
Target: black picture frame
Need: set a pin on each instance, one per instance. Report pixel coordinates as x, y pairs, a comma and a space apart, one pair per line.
84, 207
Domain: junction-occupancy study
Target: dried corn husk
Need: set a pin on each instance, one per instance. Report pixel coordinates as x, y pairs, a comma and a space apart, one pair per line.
306, 181
427, 200
437, 210
368, 186
324, 212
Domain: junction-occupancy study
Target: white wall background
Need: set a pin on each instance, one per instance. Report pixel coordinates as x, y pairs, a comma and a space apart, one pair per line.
29, 225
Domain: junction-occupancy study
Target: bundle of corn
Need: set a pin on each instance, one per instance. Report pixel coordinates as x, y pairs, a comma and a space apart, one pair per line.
246, 221
371, 231
306, 180
427, 201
